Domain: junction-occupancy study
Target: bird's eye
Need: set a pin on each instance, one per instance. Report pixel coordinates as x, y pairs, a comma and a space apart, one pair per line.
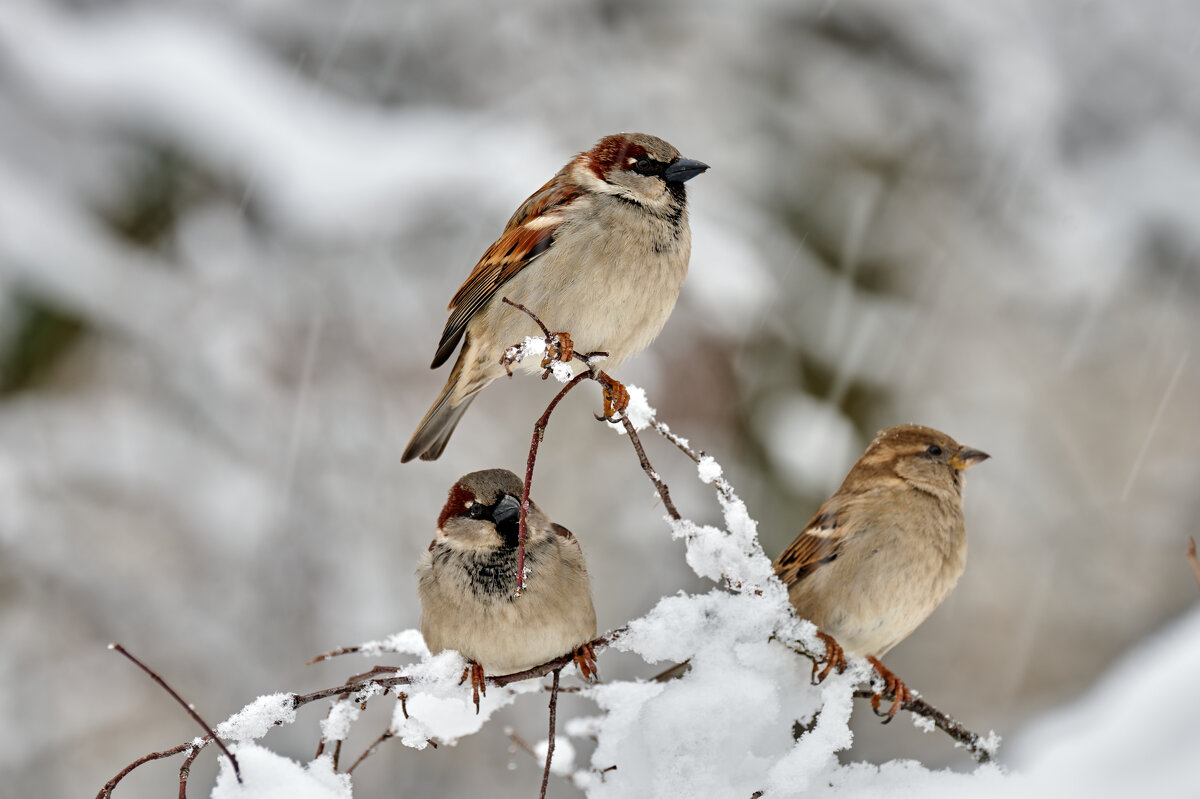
934, 450
478, 510
643, 165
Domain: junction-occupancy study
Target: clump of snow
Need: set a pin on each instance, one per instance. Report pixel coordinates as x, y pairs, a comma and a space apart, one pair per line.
532, 345
439, 704
336, 725
266, 775
258, 718
709, 469
923, 724
562, 371
638, 411
405, 642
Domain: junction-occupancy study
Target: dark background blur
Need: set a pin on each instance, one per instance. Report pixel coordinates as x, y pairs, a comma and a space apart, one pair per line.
228, 231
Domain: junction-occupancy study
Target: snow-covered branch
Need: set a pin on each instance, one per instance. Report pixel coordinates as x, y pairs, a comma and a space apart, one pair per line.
743, 646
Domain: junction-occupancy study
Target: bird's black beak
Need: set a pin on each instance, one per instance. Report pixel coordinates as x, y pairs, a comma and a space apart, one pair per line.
507, 511
683, 170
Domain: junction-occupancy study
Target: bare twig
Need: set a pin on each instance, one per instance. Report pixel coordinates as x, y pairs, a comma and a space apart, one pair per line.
1191, 556
659, 486
185, 770
186, 706
539, 432
370, 750
107, 790
531, 314
550, 740
333, 653
721, 484
973, 742
599, 643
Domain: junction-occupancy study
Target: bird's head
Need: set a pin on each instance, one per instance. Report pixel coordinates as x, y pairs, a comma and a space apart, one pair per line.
482, 511
639, 168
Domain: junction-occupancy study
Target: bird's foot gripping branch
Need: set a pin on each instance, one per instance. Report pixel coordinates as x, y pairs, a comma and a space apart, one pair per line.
749, 681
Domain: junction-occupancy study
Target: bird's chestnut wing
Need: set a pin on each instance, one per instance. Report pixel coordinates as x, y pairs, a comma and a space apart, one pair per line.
530, 232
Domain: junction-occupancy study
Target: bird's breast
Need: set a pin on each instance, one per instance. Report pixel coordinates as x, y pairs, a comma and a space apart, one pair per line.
610, 279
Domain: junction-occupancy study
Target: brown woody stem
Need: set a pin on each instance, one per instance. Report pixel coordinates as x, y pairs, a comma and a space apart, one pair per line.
550, 740
539, 431
183, 703
659, 486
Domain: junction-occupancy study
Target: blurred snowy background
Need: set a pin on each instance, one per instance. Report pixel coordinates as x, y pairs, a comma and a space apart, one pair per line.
228, 231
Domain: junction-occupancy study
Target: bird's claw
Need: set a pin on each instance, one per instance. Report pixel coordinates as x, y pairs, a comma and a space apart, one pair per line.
616, 397
559, 347
585, 662
891, 685
478, 686
835, 658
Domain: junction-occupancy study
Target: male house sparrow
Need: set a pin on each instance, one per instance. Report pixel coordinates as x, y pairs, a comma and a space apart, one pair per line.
600, 252
467, 578
884, 551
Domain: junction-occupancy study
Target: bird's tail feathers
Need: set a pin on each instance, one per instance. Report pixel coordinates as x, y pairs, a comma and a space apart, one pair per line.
433, 433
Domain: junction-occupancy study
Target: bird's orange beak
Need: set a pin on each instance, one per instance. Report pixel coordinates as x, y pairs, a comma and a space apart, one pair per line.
966, 458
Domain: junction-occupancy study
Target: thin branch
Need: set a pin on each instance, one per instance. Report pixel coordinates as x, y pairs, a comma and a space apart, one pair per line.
333, 653
550, 740
1191, 556
532, 315
541, 671
185, 770
370, 750
539, 432
186, 706
300, 700
659, 486
721, 484
107, 790
520, 743
973, 742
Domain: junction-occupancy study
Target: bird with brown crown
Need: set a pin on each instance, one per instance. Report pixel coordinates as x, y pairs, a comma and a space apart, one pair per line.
467, 579
599, 252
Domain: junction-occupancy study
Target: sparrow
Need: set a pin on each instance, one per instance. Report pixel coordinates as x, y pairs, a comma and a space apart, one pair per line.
467, 580
884, 551
600, 251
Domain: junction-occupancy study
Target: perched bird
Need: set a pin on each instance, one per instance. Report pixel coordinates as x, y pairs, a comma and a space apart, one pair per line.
599, 252
467, 578
884, 551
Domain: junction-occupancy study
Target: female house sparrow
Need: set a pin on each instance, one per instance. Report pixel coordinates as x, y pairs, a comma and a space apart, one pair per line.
886, 549
600, 251
467, 577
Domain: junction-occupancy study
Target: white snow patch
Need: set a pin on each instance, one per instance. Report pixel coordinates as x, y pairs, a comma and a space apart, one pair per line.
258, 718
638, 412
405, 642
562, 371
708, 469
266, 775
